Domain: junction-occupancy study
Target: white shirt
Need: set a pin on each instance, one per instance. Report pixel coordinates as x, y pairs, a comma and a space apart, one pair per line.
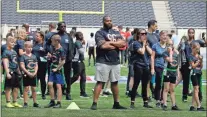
91, 42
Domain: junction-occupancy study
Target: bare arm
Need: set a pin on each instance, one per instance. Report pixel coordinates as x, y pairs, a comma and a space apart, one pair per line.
21, 52
6, 65
107, 45
22, 65
141, 50
149, 50
152, 60
119, 43
60, 65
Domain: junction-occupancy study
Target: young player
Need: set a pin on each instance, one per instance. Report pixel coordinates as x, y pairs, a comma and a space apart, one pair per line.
57, 57
196, 63
170, 74
11, 67
29, 66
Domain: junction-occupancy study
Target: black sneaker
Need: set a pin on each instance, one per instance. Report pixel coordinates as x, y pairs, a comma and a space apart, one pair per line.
184, 100
201, 109
94, 106
51, 104
36, 105
192, 108
25, 105
58, 105
43, 97
118, 107
146, 105
158, 105
175, 108
164, 107
84, 95
47, 93
190, 94
132, 106
68, 97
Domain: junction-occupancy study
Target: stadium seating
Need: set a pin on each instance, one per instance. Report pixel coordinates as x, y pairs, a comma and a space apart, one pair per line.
122, 12
189, 13
127, 13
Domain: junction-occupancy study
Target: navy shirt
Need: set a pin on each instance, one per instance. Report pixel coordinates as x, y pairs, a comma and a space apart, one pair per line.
29, 62
11, 55
159, 60
48, 41
39, 51
198, 69
110, 57
3, 48
141, 61
19, 45
152, 38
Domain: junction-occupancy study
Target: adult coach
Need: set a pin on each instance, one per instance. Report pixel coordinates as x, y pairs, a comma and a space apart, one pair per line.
108, 43
66, 42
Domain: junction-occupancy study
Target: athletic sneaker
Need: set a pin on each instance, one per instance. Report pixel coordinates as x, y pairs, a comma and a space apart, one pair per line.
164, 108
84, 95
17, 105
94, 106
146, 105
58, 105
43, 97
68, 97
175, 108
158, 105
132, 105
9, 105
184, 100
201, 109
107, 93
36, 105
118, 107
192, 108
25, 105
51, 104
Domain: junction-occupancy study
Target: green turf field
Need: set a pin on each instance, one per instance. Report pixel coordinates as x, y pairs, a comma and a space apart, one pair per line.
104, 105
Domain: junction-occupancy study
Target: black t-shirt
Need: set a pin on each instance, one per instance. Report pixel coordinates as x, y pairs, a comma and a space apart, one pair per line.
110, 57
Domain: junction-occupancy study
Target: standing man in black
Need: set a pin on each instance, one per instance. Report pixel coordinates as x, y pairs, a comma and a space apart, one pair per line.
66, 42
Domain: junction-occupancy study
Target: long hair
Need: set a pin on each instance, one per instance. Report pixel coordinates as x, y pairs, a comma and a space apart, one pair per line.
43, 36
21, 34
193, 31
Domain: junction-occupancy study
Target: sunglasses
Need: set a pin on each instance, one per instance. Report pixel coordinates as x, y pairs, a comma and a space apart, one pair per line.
143, 34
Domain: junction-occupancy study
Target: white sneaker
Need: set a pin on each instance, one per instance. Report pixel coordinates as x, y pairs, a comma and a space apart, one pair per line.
38, 93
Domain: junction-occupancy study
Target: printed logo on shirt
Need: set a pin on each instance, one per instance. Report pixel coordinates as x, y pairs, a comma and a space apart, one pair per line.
31, 64
174, 63
111, 37
14, 59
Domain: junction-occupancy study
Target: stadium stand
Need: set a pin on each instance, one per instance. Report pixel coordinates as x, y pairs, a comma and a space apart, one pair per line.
189, 13
122, 12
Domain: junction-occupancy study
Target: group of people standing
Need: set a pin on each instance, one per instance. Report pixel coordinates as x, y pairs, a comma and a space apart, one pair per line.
152, 58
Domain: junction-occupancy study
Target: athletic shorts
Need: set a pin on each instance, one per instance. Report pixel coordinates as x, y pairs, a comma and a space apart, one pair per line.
56, 78
91, 51
13, 82
196, 79
106, 72
131, 70
27, 81
169, 79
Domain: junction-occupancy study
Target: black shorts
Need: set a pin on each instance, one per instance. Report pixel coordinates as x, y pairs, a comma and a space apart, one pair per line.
196, 79
91, 51
13, 82
131, 70
27, 81
169, 79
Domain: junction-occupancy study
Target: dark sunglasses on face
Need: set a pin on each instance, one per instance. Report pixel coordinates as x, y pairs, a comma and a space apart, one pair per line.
143, 34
